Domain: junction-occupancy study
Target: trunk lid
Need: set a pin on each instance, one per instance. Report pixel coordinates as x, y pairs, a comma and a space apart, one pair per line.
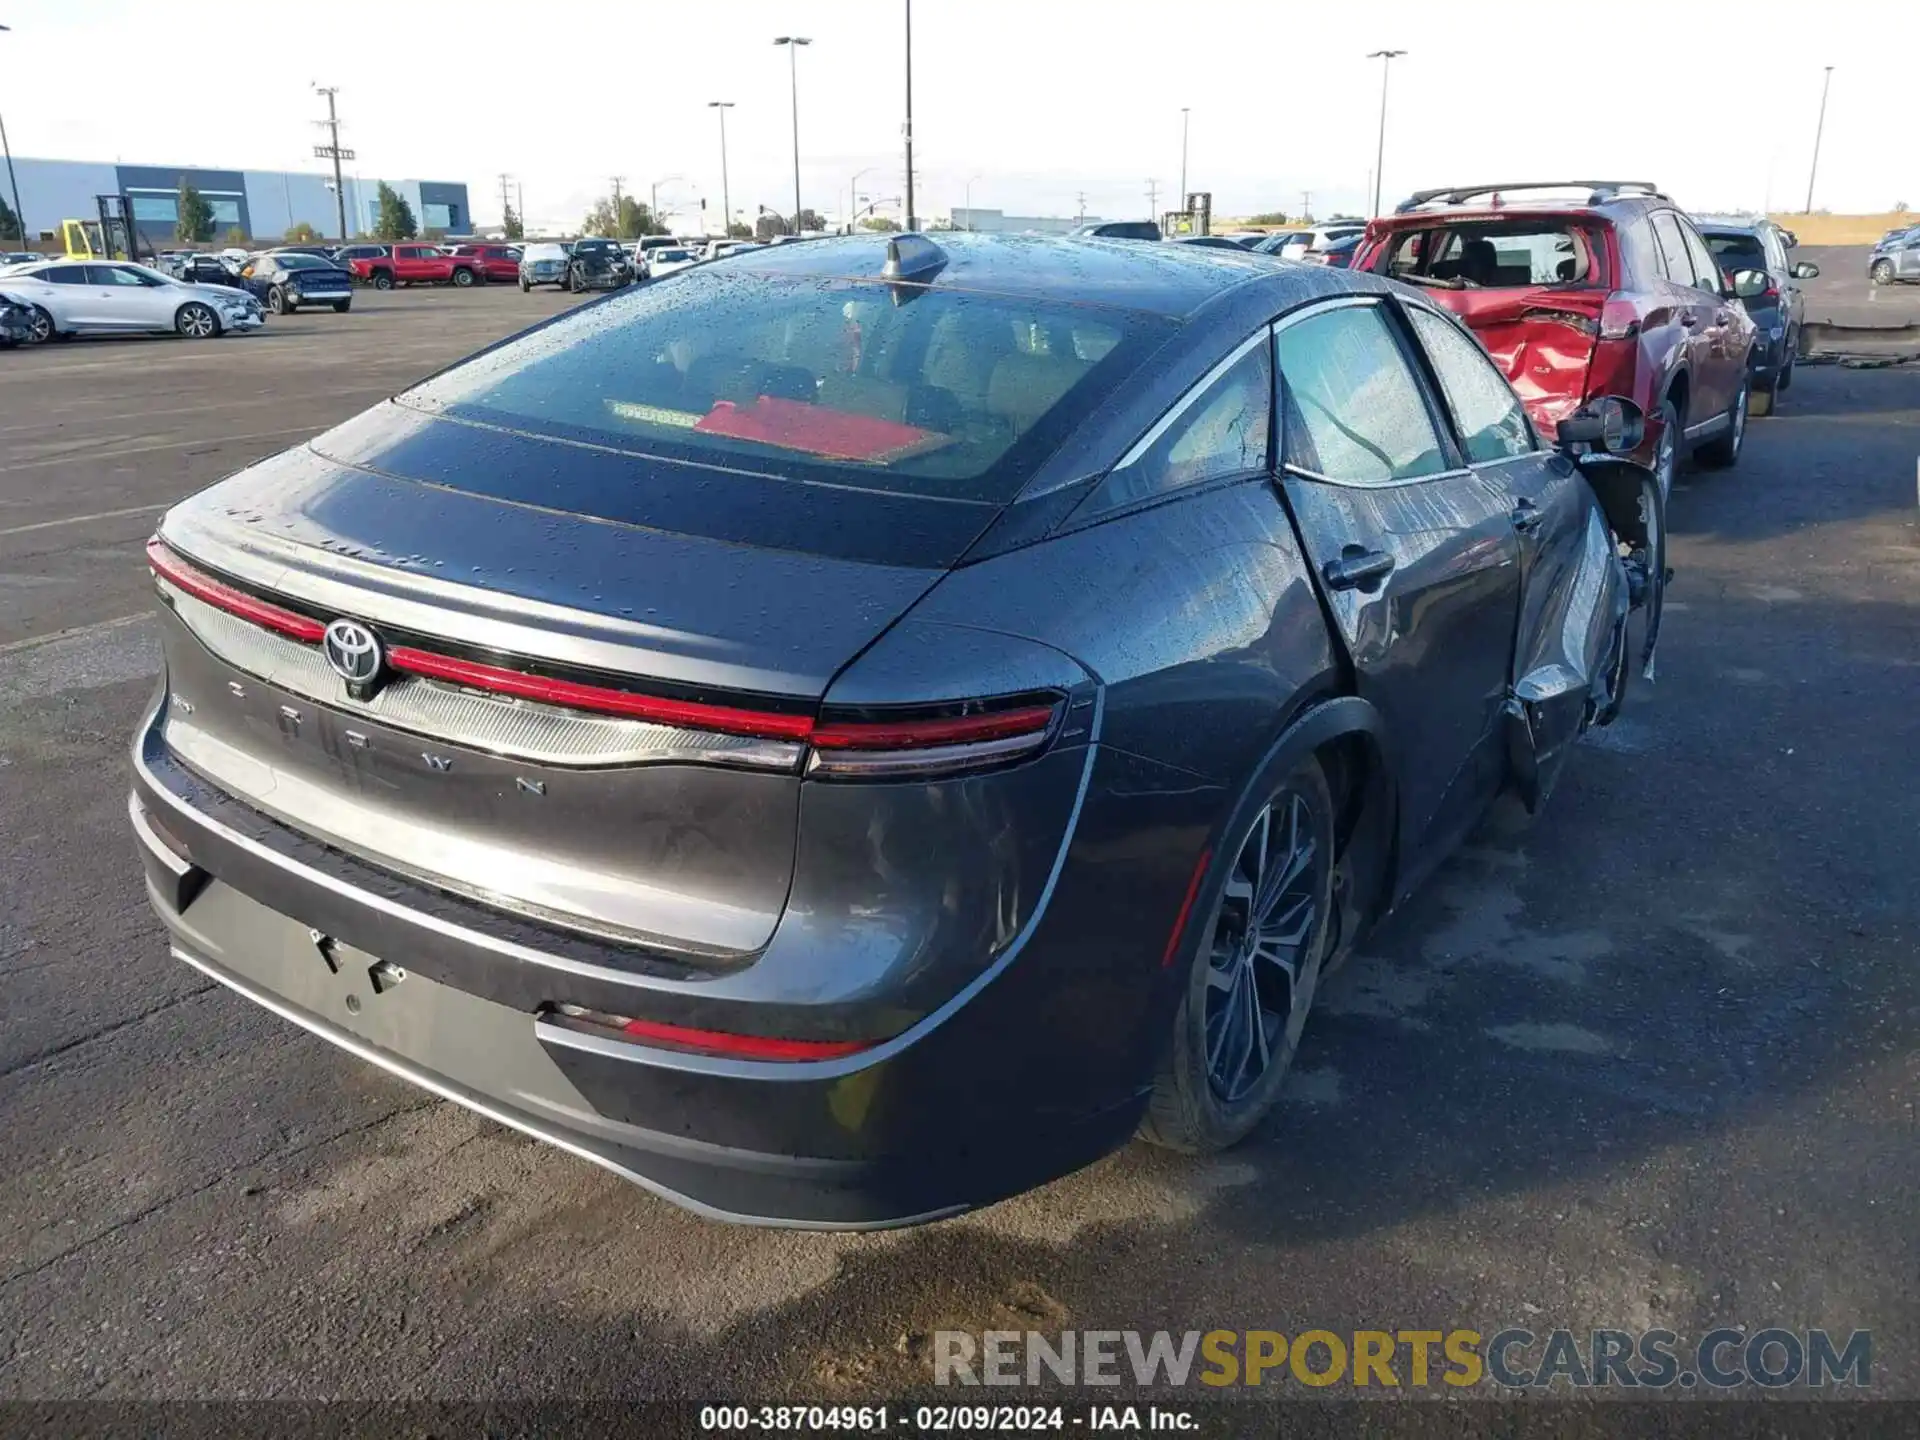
1542, 337
691, 588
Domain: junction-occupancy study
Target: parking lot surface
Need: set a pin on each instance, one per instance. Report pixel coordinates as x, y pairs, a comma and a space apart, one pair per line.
1650, 1059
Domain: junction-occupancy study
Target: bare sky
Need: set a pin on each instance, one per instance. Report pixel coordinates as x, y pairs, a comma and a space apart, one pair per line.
1041, 100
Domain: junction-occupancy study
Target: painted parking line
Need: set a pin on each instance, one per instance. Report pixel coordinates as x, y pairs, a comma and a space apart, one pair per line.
33, 642
209, 442
82, 520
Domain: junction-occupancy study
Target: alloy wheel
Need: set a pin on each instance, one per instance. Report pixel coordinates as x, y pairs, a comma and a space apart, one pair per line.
41, 327
1663, 459
1259, 976
1882, 273
196, 322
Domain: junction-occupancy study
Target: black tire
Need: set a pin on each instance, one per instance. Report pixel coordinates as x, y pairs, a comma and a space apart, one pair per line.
1881, 273
196, 321
1666, 451
462, 276
1785, 382
571, 284
277, 301
1202, 1100
382, 280
341, 307
1723, 452
43, 328
524, 286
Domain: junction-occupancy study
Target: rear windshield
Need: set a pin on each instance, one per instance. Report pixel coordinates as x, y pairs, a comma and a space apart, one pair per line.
1737, 251
1493, 255
950, 394
301, 261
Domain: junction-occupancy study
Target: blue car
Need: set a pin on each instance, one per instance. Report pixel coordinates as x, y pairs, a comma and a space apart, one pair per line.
871, 726
285, 280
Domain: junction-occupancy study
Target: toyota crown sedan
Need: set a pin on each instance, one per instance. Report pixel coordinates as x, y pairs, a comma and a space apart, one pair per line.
874, 725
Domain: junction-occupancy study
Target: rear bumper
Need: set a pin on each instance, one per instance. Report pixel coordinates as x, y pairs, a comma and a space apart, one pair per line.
941, 1119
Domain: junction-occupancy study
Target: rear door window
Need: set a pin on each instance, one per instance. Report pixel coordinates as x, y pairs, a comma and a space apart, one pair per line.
1673, 250
1354, 411
1486, 412
1708, 272
941, 393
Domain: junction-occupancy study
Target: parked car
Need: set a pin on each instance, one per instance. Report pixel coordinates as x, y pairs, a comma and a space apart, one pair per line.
1756, 243
935, 754
1311, 244
16, 322
209, 270
1210, 242
1274, 241
543, 263
324, 252
410, 264
1896, 259
69, 298
668, 259
286, 280
597, 264
496, 262
1120, 230
720, 249
1337, 253
1605, 288
19, 257
347, 254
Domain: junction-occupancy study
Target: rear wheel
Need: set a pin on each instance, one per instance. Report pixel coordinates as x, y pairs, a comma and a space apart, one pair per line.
1785, 382
463, 277
382, 280
1724, 452
1666, 449
340, 307
196, 322
1253, 967
1882, 272
277, 300
524, 286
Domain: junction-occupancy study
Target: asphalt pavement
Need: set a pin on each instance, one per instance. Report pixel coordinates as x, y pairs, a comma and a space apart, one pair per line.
1650, 1059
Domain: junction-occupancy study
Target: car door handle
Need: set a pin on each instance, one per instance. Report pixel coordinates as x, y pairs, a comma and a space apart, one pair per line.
1527, 516
1689, 319
1357, 568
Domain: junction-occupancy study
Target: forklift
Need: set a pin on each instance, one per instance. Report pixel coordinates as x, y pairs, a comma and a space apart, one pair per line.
1196, 219
111, 236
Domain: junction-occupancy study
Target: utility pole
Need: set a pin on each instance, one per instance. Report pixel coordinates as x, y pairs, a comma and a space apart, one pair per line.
619, 220
1083, 207
1186, 114
332, 149
912, 220
1386, 59
19, 215
1306, 205
505, 207
793, 44
1818, 129
1153, 198
726, 196
520, 204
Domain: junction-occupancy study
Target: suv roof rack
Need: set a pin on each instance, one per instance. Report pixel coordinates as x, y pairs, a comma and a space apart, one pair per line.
1600, 191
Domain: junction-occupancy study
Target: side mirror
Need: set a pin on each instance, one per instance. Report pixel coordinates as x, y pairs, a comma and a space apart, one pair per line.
1789, 239
1611, 425
1750, 284
1804, 270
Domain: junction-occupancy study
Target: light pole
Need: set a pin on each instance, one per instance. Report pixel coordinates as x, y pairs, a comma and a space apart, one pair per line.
853, 194
1186, 114
911, 222
1386, 59
653, 196
19, 215
793, 44
726, 196
970, 180
1820, 126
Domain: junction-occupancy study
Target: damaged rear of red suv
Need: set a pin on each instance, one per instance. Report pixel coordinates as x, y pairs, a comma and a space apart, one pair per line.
1582, 289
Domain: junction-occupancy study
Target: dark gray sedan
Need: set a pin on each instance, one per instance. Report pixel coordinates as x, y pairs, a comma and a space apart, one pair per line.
871, 726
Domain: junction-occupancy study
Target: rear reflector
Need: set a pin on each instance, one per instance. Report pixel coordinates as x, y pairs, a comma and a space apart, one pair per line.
726, 719
715, 1042
202, 586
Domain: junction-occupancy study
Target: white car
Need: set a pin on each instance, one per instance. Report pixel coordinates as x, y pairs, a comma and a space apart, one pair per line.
68, 297
666, 260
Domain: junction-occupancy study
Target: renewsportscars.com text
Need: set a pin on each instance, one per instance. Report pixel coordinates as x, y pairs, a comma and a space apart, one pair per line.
1772, 1357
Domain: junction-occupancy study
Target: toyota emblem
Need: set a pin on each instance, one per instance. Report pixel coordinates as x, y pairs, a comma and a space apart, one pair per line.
354, 653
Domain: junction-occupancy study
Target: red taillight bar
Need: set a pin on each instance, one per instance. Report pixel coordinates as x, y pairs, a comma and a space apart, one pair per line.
914, 734
182, 576
724, 718
718, 1042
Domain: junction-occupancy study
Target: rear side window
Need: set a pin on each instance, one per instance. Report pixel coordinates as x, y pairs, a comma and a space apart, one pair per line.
1218, 431
1354, 410
1491, 423
1506, 254
1673, 249
1738, 252
942, 393
1706, 270
65, 275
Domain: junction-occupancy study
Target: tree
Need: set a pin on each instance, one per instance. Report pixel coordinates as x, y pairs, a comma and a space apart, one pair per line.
512, 226
10, 224
880, 222
395, 219
739, 230
1268, 217
301, 233
235, 236
196, 215
625, 220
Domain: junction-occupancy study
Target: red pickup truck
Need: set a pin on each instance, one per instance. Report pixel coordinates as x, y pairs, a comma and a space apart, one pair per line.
417, 265
496, 262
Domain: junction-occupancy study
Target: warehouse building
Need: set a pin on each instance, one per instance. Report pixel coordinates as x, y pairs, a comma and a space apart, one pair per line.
262, 204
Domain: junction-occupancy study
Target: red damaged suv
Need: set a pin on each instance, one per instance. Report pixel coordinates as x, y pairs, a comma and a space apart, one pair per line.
1612, 292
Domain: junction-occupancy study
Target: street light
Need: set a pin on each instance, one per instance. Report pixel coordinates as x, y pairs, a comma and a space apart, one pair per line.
653, 196
1185, 115
19, 215
853, 194
793, 44
912, 222
726, 197
1386, 59
1820, 126
970, 180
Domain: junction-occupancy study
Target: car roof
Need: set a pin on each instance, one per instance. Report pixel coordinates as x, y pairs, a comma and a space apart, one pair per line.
1171, 280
